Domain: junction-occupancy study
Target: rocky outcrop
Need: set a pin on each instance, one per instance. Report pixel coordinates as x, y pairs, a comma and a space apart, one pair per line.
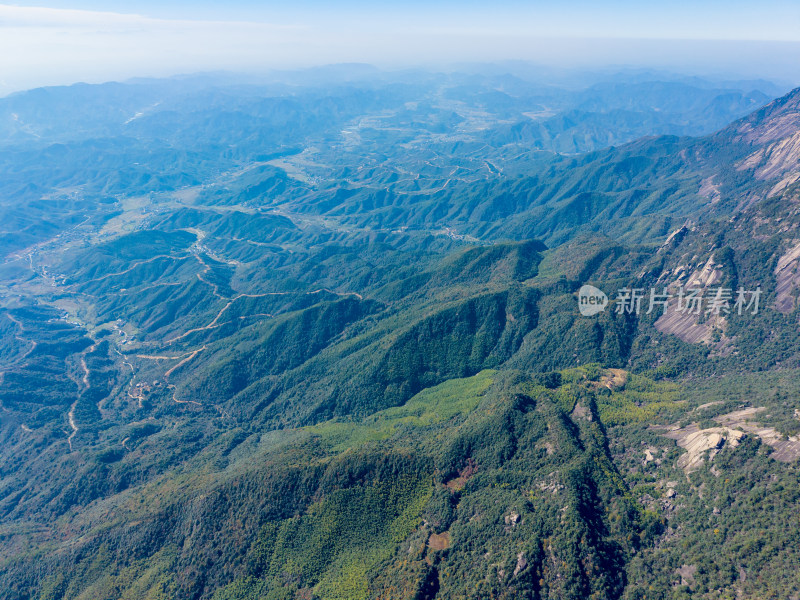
707, 443
787, 274
687, 325
785, 449
697, 442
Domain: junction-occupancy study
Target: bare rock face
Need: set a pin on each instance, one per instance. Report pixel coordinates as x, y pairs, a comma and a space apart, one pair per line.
773, 134
687, 325
697, 441
439, 541
776, 121
787, 272
521, 563
779, 160
785, 449
734, 426
687, 573
581, 412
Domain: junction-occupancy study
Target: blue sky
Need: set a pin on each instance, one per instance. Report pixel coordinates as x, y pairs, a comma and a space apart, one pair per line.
699, 19
61, 41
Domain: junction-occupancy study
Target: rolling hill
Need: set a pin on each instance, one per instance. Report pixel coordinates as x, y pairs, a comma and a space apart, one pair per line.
344, 359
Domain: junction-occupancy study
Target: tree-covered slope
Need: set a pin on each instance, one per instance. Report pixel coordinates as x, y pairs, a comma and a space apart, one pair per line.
345, 359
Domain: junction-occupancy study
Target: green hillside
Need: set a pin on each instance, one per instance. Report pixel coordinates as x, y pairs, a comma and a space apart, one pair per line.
345, 359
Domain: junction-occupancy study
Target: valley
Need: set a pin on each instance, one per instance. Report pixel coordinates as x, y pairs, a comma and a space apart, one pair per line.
344, 359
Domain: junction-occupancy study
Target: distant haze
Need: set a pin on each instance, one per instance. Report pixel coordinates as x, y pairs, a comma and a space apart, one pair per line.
65, 42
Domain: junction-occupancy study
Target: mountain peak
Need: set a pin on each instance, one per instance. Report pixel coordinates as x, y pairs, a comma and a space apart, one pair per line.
777, 120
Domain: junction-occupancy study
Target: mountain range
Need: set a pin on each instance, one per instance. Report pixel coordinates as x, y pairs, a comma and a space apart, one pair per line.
282, 340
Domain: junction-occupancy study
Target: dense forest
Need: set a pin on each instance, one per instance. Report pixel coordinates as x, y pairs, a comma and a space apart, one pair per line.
344, 359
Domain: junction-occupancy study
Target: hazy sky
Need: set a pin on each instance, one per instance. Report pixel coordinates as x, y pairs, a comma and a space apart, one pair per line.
51, 42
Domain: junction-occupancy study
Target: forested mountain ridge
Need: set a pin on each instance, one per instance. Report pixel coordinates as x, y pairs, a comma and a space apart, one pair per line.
338, 362
638, 192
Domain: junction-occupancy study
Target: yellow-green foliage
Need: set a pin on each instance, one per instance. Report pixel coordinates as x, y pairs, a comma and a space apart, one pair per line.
346, 581
573, 384
441, 402
150, 579
345, 534
335, 543
566, 396
583, 373
432, 405
640, 401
